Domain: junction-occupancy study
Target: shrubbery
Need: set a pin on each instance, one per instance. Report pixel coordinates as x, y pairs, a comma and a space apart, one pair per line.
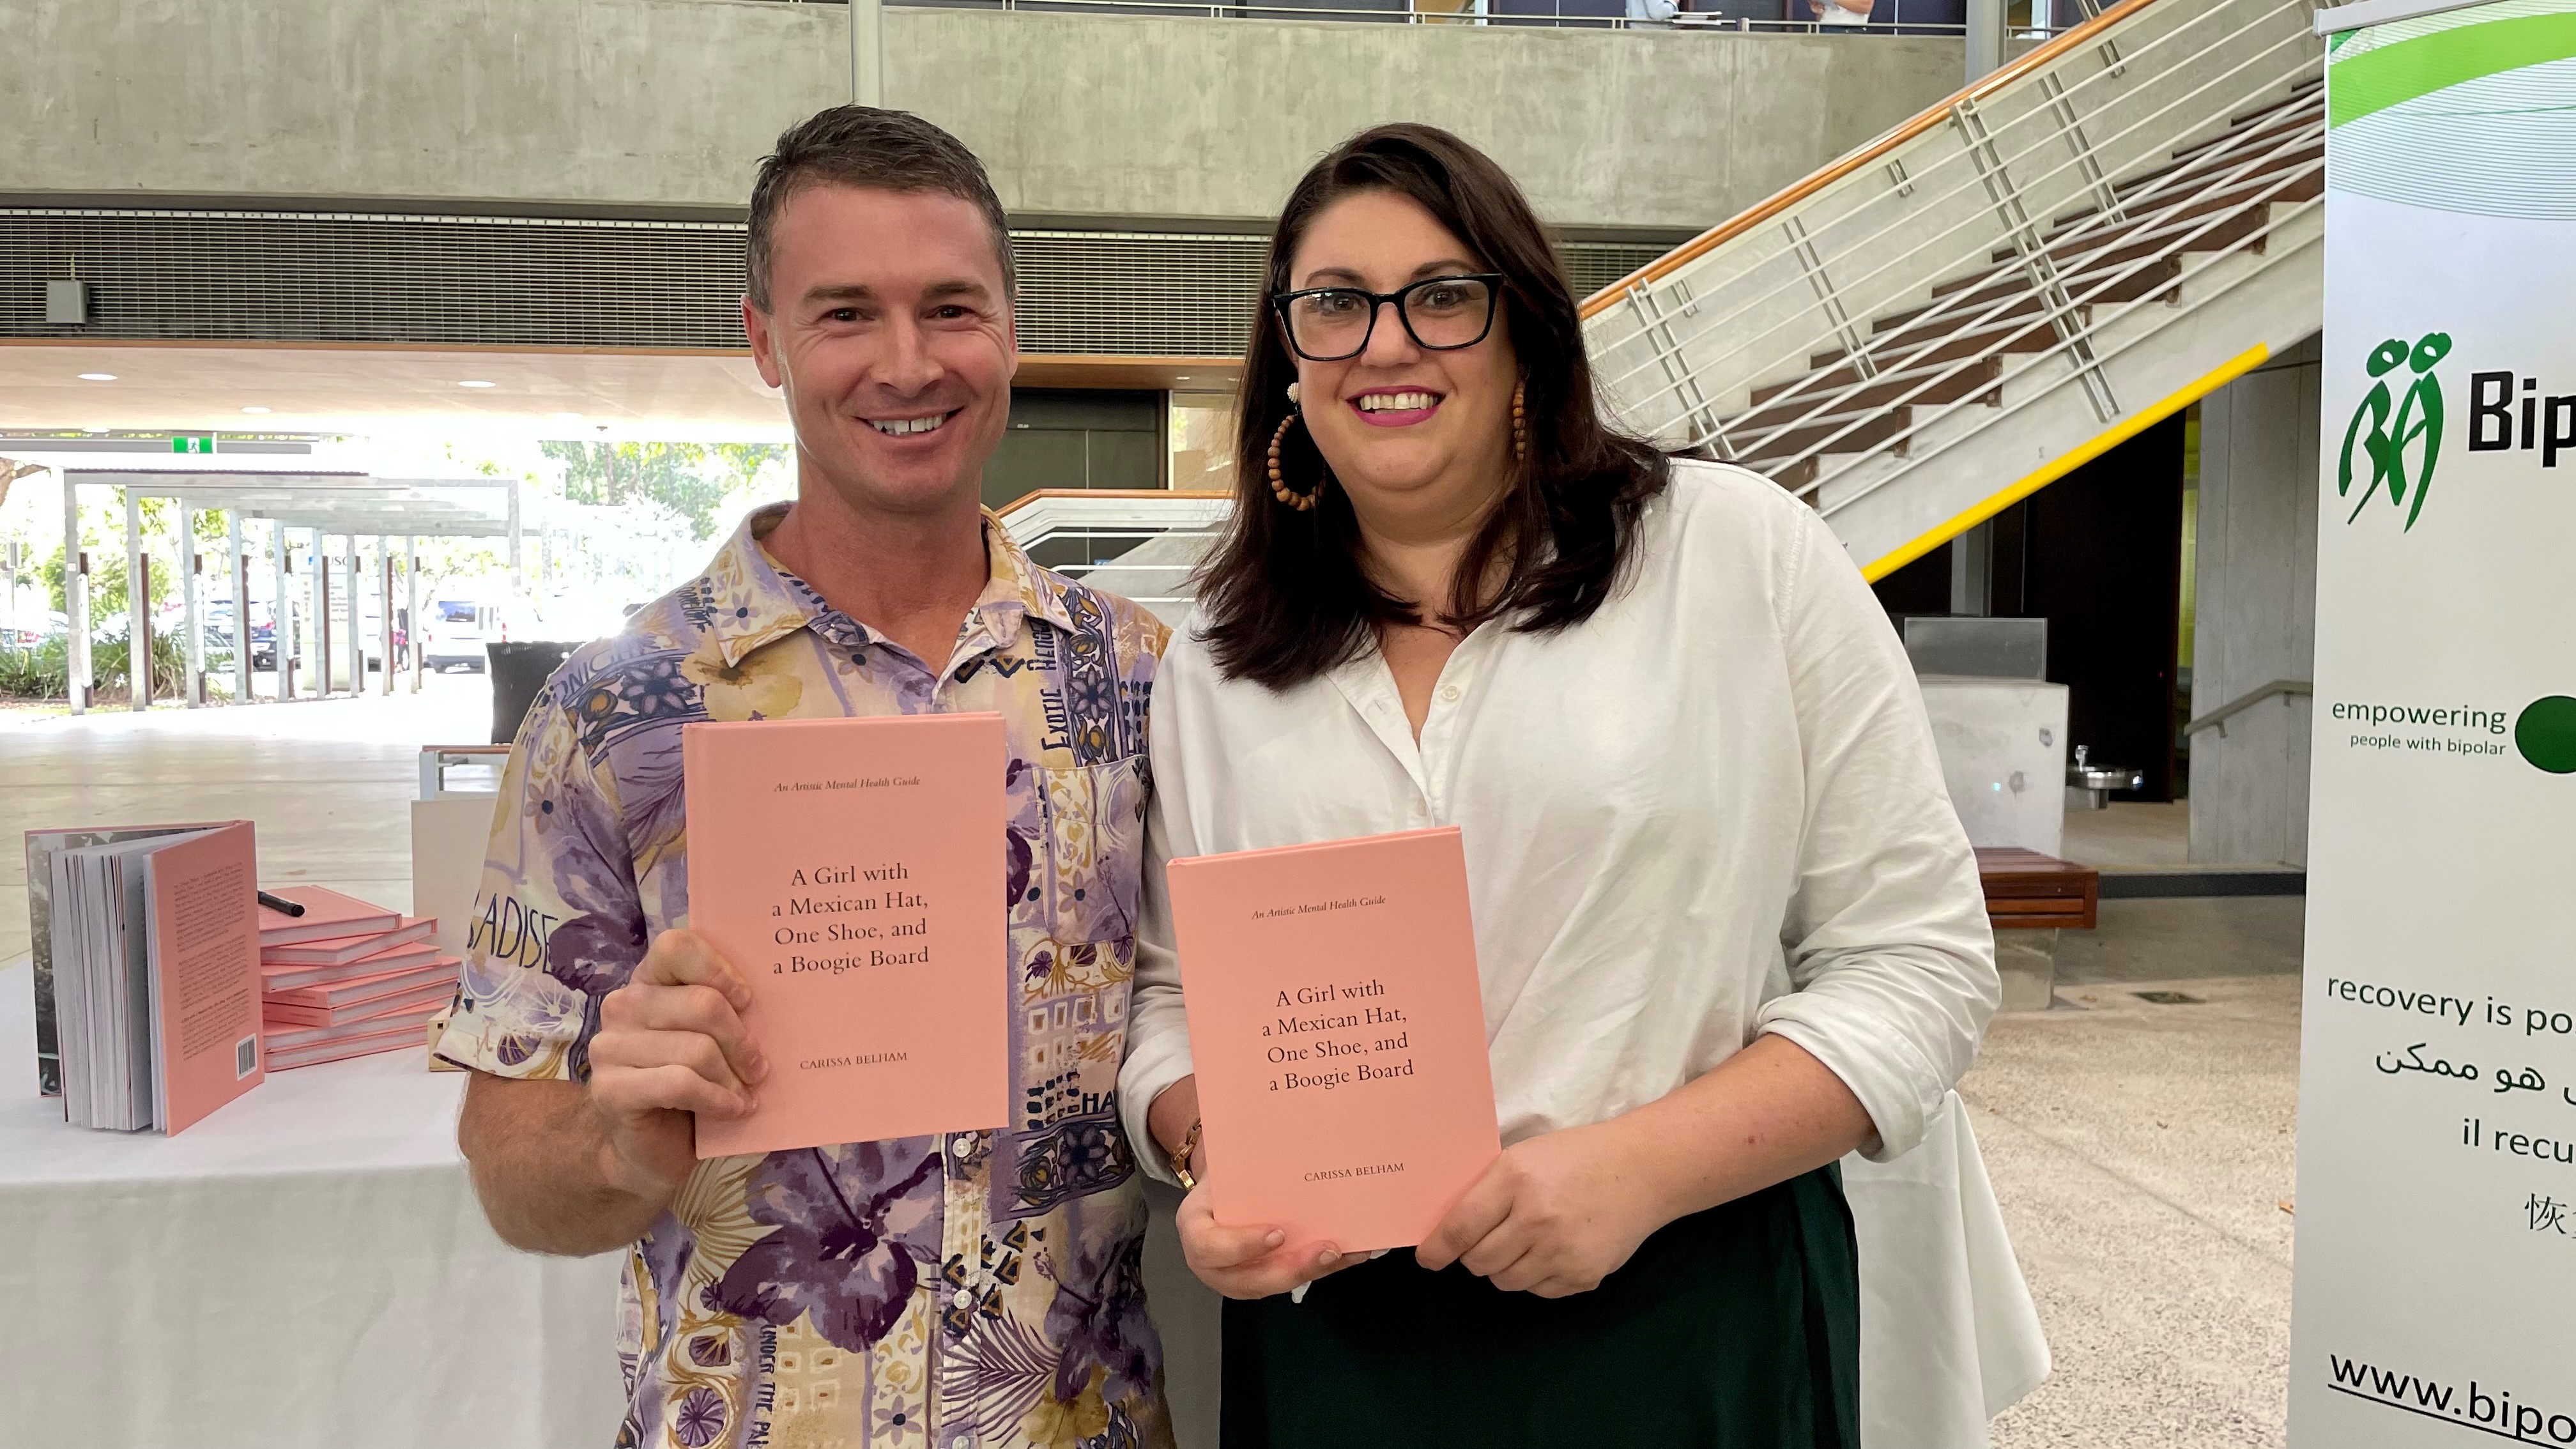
44, 672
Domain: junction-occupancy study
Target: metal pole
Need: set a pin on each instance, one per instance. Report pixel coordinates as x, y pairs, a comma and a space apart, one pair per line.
75, 598
357, 623
192, 680
281, 618
412, 635
241, 606
321, 619
1985, 38
867, 52
138, 607
516, 585
384, 617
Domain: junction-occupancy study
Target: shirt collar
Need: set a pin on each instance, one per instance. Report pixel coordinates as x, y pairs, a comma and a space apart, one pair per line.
751, 600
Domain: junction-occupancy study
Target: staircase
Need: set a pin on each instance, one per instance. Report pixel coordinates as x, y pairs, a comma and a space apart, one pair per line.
2010, 284
1955, 315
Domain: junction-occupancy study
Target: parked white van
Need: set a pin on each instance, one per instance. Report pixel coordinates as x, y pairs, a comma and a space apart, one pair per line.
455, 631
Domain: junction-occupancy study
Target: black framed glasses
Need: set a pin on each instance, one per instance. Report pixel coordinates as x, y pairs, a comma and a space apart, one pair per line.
1442, 314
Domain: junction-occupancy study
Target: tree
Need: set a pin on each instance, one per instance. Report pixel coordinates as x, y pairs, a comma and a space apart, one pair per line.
690, 479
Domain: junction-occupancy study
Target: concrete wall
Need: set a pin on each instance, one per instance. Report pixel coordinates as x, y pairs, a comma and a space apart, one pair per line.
2256, 582
634, 105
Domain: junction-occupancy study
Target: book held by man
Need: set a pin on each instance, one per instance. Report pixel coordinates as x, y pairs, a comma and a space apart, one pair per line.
1338, 1031
154, 947
851, 870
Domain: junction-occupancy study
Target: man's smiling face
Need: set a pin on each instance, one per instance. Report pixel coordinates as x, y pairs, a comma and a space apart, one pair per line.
890, 330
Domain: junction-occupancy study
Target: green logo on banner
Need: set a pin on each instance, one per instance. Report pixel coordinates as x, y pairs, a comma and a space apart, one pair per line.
2418, 421
2546, 734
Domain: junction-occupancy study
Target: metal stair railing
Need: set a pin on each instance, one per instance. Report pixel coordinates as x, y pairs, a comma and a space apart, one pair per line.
1144, 543
1983, 256
2285, 688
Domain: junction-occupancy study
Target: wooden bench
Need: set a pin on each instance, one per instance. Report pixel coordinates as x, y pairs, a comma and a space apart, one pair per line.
2028, 890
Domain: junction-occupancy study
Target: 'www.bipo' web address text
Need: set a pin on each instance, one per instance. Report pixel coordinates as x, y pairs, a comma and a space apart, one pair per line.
2489, 1411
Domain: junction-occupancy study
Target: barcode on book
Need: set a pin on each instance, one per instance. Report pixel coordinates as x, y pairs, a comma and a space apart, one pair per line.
245, 1057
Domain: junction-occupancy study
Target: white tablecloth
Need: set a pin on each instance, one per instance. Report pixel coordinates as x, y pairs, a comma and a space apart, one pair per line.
307, 1266
1948, 1335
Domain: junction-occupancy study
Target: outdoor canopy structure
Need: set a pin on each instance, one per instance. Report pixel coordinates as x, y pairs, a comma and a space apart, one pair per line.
352, 505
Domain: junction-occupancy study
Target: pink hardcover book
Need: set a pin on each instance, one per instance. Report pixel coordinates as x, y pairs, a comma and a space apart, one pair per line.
287, 978
287, 1059
327, 914
204, 972
411, 1016
851, 870
341, 950
441, 969
437, 988
1338, 1029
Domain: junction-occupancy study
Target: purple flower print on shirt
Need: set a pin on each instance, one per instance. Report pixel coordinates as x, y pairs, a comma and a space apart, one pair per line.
852, 1234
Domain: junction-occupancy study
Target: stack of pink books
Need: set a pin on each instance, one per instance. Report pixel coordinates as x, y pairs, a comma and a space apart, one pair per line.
346, 978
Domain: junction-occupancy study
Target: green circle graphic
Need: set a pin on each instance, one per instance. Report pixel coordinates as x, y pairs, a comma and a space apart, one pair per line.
2546, 734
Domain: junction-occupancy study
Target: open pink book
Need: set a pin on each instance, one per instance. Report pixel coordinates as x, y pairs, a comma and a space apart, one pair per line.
851, 870
1338, 1030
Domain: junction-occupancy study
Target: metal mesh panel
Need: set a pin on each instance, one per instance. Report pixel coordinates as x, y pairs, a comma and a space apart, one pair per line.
1172, 296
1591, 266
483, 281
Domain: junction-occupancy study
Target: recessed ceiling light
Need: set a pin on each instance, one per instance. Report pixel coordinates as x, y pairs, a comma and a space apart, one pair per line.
98, 377
474, 382
94, 430
567, 417
254, 410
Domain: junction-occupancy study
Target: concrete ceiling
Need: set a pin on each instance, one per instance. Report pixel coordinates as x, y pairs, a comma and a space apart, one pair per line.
373, 390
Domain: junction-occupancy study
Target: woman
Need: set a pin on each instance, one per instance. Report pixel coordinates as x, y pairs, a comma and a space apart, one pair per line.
1727, 925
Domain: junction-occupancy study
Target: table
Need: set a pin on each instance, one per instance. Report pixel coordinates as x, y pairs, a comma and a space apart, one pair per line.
308, 1266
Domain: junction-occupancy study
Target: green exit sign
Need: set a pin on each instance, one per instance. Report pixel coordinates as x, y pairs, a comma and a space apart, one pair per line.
204, 444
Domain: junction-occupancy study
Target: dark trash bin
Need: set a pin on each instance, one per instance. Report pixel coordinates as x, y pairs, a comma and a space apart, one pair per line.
518, 671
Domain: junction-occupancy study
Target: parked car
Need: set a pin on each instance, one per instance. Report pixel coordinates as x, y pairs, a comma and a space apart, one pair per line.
28, 633
455, 632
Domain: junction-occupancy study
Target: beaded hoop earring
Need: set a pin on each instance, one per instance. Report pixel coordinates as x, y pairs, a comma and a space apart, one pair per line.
1279, 489
1520, 425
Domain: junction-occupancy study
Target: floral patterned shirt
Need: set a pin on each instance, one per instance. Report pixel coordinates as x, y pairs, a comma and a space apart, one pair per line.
971, 1291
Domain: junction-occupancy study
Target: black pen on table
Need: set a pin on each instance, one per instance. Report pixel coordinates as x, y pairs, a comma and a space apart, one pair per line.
280, 904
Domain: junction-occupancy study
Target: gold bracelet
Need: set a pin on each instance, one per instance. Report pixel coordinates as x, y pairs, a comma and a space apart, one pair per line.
1181, 1156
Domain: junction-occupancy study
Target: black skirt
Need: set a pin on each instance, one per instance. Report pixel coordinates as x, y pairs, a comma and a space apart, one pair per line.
1736, 1327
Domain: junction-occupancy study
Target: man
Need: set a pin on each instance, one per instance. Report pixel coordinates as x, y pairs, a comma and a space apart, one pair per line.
961, 1292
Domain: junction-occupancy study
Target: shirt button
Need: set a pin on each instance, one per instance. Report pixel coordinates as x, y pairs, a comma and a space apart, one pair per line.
961, 1145
1449, 693
957, 1443
961, 1299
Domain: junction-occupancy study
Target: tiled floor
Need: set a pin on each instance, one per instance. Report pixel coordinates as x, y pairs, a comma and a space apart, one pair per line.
2142, 1150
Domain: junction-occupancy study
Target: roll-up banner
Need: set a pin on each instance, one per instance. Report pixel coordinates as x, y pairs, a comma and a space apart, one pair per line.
2435, 1285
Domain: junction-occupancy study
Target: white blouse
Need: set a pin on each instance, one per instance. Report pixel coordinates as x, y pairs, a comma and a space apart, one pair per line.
1710, 811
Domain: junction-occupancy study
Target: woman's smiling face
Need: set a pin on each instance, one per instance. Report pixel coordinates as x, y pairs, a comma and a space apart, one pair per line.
1400, 422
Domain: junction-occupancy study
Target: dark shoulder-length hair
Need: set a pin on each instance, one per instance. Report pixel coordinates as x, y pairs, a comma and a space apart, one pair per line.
1284, 597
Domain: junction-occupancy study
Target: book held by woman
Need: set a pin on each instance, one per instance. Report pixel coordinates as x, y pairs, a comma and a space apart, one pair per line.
1339, 1034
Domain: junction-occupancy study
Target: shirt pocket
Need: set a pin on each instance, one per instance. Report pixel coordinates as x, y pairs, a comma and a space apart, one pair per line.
1089, 856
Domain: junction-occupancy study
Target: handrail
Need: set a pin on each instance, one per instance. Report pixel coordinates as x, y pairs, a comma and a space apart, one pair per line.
1852, 161
1025, 499
2243, 702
